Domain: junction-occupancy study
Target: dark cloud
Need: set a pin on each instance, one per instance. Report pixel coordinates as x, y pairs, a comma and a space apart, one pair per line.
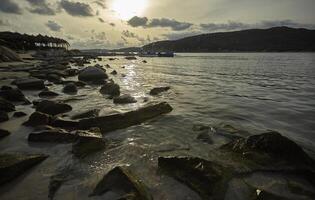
53, 26
76, 8
163, 22
169, 23
289, 23
41, 7
138, 21
112, 24
9, 6
129, 34
101, 20
101, 3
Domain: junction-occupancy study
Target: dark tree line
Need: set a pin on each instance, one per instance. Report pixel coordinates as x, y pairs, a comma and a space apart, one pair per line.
30, 42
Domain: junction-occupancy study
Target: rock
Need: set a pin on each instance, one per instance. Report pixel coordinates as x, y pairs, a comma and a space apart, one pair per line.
57, 180
88, 143
273, 144
92, 74
19, 114
130, 58
13, 165
121, 180
4, 133
86, 114
29, 84
107, 66
72, 72
62, 123
158, 90
14, 95
124, 120
3, 116
110, 88
114, 72
144, 61
52, 108
204, 177
70, 88
37, 119
55, 135
55, 78
205, 137
5, 87
125, 99
6, 106
45, 94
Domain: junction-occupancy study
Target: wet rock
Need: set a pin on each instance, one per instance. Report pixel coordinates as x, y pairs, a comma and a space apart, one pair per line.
29, 84
4, 133
130, 58
88, 143
125, 99
86, 114
273, 144
107, 66
52, 108
63, 123
122, 181
158, 90
13, 165
110, 88
114, 72
72, 72
48, 94
124, 120
204, 177
6, 106
92, 74
205, 137
56, 181
3, 116
144, 61
37, 119
264, 195
70, 88
14, 95
19, 114
5, 87
55, 135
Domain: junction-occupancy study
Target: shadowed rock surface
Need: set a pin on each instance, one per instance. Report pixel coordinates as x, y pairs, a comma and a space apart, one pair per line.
110, 88
92, 74
4, 133
29, 84
54, 135
13, 165
86, 114
124, 99
52, 108
6, 105
158, 90
37, 119
122, 181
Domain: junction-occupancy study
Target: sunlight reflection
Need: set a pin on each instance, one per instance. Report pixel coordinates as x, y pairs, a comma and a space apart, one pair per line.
126, 9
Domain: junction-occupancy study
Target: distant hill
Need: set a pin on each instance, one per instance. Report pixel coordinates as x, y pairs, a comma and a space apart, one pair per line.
277, 39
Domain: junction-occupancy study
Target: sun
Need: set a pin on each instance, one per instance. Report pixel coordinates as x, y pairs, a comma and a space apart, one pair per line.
126, 9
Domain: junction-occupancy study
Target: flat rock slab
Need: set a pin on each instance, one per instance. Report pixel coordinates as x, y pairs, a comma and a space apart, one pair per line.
52, 108
124, 120
158, 90
53, 135
123, 182
13, 165
29, 84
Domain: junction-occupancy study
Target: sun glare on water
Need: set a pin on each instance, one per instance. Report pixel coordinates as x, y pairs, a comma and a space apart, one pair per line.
126, 9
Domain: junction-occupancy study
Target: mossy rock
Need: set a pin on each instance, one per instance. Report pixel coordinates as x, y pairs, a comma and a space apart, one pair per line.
13, 165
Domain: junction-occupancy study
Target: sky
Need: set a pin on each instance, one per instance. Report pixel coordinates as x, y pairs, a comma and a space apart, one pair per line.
109, 24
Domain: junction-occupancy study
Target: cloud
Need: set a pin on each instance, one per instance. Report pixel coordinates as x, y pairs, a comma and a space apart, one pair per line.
170, 23
179, 35
101, 3
230, 25
100, 36
129, 34
112, 24
138, 21
155, 22
4, 22
101, 20
41, 7
76, 8
9, 6
53, 26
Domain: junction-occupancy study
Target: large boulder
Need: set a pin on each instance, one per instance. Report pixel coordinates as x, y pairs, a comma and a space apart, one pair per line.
6, 105
3, 116
47, 94
38, 119
273, 144
123, 182
92, 74
110, 88
158, 90
29, 84
13, 165
52, 108
124, 120
125, 99
14, 95
4, 133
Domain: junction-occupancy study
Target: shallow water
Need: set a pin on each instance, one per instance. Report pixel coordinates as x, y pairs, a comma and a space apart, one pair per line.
253, 92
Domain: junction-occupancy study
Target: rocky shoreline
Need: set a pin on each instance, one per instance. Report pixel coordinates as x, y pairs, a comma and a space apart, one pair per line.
228, 167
